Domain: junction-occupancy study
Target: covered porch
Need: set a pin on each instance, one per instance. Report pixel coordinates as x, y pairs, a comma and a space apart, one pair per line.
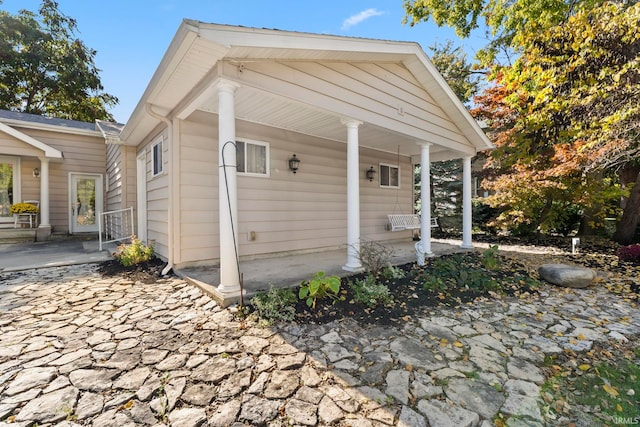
289, 270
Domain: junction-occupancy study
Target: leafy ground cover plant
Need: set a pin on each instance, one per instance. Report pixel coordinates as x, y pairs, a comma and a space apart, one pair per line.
275, 305
319, 287
369, 292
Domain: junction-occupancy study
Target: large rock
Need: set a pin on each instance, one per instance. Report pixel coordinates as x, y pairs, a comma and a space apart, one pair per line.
566, 275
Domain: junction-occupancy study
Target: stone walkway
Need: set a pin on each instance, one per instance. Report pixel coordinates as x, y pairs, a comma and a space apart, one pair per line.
78, 349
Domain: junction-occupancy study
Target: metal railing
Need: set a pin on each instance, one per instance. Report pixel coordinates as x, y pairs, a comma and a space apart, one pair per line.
115, 226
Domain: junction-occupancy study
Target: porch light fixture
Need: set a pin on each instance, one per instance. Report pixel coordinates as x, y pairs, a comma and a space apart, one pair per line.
371, 173
36, 172
294, 162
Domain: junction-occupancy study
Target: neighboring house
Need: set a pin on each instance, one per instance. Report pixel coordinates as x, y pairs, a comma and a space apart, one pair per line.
256, 98
61, 164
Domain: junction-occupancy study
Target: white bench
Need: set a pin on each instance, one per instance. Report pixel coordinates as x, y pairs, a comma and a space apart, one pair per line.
401, 222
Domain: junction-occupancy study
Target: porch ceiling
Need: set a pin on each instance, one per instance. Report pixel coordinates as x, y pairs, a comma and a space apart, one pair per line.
260, 107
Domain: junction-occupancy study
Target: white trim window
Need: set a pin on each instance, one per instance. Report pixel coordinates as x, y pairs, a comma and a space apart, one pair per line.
252, 158
156, 157
389, 176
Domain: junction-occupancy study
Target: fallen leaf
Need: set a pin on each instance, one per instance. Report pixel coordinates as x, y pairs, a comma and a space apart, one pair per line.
584, 367
611, 390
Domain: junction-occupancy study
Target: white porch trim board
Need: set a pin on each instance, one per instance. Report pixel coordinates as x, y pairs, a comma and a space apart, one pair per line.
466, 204
229, 285
353, 197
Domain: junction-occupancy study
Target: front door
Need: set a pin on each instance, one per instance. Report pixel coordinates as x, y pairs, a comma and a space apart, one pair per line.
86, 202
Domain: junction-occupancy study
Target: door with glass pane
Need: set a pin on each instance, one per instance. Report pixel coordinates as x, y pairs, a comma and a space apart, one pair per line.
9, 187
86, 202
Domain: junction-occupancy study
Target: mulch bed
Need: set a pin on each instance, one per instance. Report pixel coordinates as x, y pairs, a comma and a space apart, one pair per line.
145, 272
411, 299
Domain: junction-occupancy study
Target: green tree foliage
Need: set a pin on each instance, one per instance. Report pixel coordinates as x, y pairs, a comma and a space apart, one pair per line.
45, 70
506, 21
565, 119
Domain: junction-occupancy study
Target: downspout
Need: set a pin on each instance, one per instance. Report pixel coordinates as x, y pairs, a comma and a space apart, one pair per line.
169, 124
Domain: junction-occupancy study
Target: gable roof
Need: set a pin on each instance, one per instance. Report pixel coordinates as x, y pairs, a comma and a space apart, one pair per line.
196, 57
17, 118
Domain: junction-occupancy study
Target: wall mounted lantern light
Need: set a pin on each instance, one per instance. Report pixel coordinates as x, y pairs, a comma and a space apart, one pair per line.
371, 173
294, 162
36, 172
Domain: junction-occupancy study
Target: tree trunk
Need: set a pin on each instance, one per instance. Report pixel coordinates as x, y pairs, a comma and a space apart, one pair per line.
626, 230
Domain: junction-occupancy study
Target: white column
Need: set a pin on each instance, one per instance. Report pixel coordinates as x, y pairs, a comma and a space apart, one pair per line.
425, 198
44, 193
227, 191
466, 203
353, 197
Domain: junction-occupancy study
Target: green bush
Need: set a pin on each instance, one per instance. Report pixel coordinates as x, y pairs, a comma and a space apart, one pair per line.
319, 287
133, 253
369, 292
490, 258
277, 304
393, 273
454, 272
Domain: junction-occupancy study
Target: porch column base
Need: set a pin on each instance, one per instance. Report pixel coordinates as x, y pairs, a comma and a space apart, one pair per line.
466, 246
43, 233
357, 268
227, 295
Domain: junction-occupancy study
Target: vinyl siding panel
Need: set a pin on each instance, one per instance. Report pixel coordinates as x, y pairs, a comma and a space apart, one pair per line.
286, 211
157, 194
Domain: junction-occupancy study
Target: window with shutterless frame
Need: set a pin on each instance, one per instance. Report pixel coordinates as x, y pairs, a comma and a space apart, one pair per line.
252, 157
156, 157
389, 176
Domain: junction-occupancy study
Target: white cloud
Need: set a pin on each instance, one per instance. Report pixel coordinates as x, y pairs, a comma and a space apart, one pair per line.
359, 17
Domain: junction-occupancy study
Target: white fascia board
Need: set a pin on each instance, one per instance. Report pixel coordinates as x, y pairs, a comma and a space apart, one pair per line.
49, 151
50, 128
259, 38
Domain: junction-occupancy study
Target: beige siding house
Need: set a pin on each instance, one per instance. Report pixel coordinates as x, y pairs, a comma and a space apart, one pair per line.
60, 164
227, 110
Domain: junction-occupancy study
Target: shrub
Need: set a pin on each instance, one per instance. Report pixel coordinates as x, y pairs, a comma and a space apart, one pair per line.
453, 272
393, 273
374, 256
133, 253
319, 287
369, 292
277, 304
630, 253
20, 208
490, 259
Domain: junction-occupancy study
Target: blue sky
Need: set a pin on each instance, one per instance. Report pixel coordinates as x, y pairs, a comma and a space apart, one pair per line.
131, 36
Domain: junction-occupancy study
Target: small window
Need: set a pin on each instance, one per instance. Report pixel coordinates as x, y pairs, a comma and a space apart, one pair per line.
389, 176
157, 157
253, 158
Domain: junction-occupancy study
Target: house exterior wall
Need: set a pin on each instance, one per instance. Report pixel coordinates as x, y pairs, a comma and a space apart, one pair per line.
82, 153
121, 177
285, 211
157, 193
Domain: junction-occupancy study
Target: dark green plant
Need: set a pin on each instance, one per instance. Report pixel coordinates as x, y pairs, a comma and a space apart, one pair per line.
490, 258
277, 304
133, 253
454, 272
319, 287
369, 292
393, 273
